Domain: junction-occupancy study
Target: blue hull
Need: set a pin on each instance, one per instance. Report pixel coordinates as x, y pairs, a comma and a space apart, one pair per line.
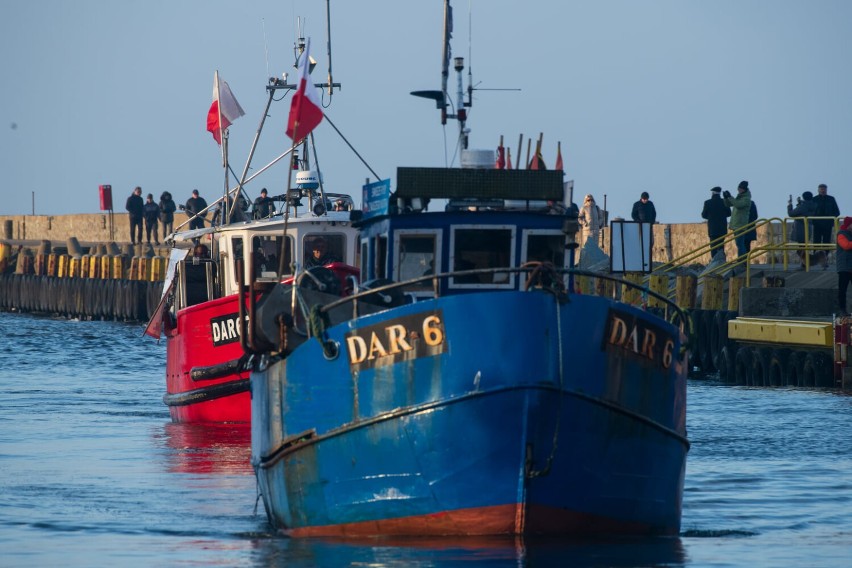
451, 417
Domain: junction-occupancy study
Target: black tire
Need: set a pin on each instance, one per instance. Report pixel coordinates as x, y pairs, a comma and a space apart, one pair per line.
727, 364
760, 366
778, 363
743, 366
818, 370
697, 345
708, 329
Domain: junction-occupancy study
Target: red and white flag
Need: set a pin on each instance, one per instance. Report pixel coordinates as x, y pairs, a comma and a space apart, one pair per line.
305, 107
224, 106
559, 165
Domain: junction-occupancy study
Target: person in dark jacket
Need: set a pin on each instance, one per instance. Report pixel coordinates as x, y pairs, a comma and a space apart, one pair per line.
751, 236
167, 213
195, 205
716, 213
134, 208
843, 259
644, 210
824, 206
804, 208
263, 206
151, 212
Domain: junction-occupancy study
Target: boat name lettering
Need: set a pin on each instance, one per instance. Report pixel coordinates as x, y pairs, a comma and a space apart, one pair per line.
225, 329
639, 337
405, 338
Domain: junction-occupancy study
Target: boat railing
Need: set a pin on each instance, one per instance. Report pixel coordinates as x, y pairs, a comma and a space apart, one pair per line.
550, 278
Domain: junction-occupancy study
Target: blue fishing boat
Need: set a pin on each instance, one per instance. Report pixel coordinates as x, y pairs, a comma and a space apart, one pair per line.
466, 388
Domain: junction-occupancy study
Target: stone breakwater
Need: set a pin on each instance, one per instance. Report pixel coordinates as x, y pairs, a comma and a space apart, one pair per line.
671, 241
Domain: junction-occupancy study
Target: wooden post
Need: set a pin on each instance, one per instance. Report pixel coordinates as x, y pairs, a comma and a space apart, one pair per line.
711, 299
629, 294
685, 287
658, 283
734, 286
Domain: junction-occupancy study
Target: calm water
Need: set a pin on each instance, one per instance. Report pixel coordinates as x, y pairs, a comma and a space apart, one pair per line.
93, 473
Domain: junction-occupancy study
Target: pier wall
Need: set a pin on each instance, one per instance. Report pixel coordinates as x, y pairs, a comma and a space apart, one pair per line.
671, 241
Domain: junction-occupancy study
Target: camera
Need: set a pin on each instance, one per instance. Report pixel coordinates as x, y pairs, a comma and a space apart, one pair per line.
726, 193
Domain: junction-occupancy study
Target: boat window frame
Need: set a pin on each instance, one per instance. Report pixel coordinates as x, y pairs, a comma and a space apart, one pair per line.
424, 288
527, 233
509, 284
308, 236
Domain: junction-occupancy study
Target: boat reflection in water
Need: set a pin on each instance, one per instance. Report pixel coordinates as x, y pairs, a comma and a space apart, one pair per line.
208, 448
500, 551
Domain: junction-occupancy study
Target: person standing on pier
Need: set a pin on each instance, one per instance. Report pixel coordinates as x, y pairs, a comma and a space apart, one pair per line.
591, 220
134, 208
824, 206
167, 213
843, 259
151, 211
804, 208
740, 209
716, 213
644, 210
195, 205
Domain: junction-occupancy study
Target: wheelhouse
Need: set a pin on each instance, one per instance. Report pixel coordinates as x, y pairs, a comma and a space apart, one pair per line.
517, 221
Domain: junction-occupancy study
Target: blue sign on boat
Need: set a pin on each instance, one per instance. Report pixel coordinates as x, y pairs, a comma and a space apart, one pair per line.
375, 198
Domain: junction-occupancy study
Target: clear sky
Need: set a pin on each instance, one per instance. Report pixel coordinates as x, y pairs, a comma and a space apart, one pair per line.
666, 96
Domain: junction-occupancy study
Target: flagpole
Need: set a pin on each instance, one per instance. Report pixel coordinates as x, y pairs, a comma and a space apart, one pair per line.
224, 147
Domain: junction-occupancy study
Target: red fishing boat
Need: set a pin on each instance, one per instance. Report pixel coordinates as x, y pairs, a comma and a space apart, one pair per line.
304, 234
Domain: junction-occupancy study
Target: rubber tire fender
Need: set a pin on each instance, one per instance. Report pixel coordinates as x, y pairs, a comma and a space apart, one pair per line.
744, 366
760, 366
818, 370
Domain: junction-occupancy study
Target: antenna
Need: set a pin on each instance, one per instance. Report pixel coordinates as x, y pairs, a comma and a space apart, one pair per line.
265, 44
328, 32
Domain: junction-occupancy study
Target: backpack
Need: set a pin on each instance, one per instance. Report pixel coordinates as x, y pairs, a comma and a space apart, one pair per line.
752, 213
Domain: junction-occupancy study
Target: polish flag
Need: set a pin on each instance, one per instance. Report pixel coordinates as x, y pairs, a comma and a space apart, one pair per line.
224, 106
559, 165
305, 107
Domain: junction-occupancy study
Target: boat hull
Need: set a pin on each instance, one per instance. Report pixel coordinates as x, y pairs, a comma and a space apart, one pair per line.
206, 335
539, 417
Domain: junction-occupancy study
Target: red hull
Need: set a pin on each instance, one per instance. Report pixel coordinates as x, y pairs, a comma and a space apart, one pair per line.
206, 335
497, 520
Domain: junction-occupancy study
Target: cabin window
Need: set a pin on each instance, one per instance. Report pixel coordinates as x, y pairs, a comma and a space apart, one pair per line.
416, 256
364, 264
381, 256
545, 247
237, 248
267, 254
323, 248
480, 248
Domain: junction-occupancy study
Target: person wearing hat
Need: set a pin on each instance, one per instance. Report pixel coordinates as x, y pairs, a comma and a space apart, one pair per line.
195, 205
716, 213
151, 211
843, 260
263, 206
825, 206
644, 210
135, 207
804, 208
740, 209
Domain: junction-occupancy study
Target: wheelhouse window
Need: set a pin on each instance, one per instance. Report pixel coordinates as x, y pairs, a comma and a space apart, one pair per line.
482, 248
267, 254
323, 248
416, 256
545, 247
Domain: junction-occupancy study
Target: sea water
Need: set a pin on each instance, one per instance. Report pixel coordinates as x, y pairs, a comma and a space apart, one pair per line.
93, 473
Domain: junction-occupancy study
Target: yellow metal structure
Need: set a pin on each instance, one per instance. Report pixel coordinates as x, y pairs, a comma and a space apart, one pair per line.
786, 332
